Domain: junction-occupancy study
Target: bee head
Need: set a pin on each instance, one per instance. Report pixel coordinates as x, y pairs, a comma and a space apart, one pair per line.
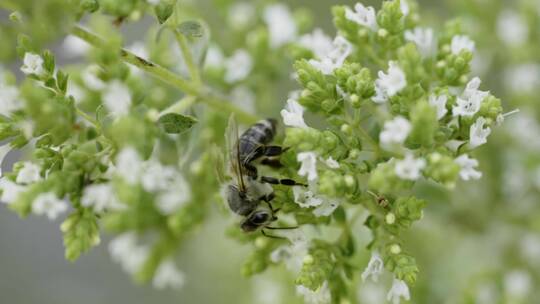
239, 202
257, 219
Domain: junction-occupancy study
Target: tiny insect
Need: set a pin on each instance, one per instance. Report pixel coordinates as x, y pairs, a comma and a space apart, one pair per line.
246, 194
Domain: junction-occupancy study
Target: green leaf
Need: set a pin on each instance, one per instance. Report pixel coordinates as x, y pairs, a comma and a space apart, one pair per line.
191, 29
173, 123
164, 10
62, 81
48, 61
81, 233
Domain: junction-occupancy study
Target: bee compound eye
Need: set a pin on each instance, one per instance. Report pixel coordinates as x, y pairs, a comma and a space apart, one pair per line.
259, 218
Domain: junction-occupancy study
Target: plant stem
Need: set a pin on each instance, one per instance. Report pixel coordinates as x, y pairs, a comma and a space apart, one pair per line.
203, 94
188, 57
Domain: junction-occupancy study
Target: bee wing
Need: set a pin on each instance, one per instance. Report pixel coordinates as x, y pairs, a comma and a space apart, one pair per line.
233, 152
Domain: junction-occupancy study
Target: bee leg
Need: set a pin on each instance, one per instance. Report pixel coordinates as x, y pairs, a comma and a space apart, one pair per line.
271, 162
281, 228
284, 181
272, 236
266, 151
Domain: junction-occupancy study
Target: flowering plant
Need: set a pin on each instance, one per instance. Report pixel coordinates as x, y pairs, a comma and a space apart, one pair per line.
393, 104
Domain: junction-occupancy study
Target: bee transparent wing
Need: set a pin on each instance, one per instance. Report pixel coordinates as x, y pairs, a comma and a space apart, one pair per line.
233, 152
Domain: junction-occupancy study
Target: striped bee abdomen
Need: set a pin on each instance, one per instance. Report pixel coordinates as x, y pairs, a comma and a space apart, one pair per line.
259, 134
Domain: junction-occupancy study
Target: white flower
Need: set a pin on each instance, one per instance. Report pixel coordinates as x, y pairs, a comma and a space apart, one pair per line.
380, 95
331, 163
318, 42
292, 254
241, 15
398, 290
404, 7
9, 100
335, 58
308, 166
478, 134
244, 98
454, 144
129, 165
124, 250
10, 190
90, 78
461, 42
374, 268
101, 197
76, 91
468, 166
517, 284
157, 177
117, 98
4, 150
395, 131
293, 114
238, 66
32, 64
410, 167
29, 173
362, 15
153, 2
392, 82
327, 207
48, 203
470, 101
439, 102
74, 46
512, 28
423, 38
281, 25
320, 296
524, 78
168, 276
175, 197
306, 198
214, 57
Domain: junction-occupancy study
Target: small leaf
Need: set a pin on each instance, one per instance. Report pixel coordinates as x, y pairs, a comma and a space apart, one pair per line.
48, 61
173, 123
23, 45
62, 81
191, 29
164, 10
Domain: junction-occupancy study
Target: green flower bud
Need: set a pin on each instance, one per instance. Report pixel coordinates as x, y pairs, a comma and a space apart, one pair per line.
425, 124
442, 169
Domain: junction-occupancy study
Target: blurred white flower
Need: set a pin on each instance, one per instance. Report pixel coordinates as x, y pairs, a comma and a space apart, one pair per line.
478, 134
380, 95
398, 290
4, 150
320, 296
168, 276
101, 197
308, 165
125, 251
172, 199
529, 246
371, 293
90, 78
10, 190
318, 42
362, 15
523, 78
117, 98
244, 98
423, 38
375, 267
241, 15
29, 173
48, 203
404, 6
410, 167
306, 198
331, 163
158, 177
395, 131
76, 91
460, 43
281, 25
32, 64
74, 46
335, 58
292, 254
327, 207
512, 28
293, 114
214, 57
129, 165
517, 284
10, 100
468, 167
392, 82
439, 102
238, 66
153, 2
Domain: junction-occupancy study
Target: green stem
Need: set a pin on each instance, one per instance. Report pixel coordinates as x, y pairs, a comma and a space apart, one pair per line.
203, 94
88, 118
188, 57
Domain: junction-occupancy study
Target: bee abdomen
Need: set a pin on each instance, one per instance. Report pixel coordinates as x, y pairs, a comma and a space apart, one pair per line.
260, 133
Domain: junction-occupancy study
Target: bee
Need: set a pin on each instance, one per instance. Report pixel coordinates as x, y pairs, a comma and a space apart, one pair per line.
246, 194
